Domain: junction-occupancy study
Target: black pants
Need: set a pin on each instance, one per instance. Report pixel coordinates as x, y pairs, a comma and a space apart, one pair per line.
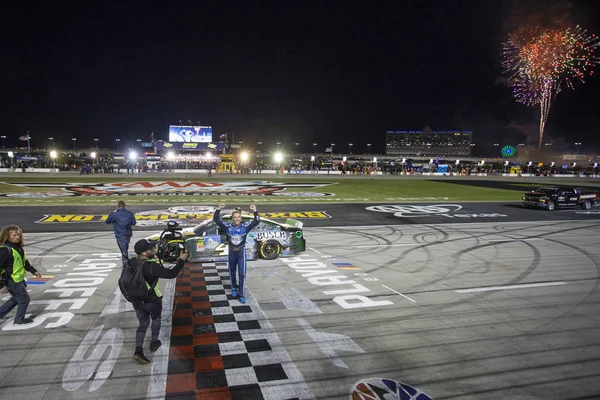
20, 297
144, 312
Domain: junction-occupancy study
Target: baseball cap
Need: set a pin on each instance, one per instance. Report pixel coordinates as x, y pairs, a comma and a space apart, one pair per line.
142, 245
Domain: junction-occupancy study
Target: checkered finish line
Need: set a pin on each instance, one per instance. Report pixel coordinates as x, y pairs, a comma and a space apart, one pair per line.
222, 349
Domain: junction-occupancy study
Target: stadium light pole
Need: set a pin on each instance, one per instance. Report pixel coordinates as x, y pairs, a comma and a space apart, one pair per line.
331, 155
314, 148
577, 144
96, 143
350, 145
51, 139
3, 137
53, 157
369, 148
93, 161
73, 139
118, 143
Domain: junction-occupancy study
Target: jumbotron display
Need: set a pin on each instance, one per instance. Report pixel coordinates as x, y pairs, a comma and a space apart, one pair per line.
196, 134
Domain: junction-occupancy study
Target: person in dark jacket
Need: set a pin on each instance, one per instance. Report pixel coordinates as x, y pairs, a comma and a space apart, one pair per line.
236, 233
152, 307
13, 264
122, 220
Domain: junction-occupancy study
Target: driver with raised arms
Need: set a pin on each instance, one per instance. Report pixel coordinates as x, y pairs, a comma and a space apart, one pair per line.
236, 239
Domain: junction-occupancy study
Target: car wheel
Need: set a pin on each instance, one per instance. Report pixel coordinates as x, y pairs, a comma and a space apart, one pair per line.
586, 205
551, 206
269, 249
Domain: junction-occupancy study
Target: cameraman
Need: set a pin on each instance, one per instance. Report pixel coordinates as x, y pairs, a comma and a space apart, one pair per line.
152, 307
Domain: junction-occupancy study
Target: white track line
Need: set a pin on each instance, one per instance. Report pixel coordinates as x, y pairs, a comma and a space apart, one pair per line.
509, 287
406, 297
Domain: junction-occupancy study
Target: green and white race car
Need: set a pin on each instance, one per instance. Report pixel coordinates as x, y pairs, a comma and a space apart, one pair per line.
269, 240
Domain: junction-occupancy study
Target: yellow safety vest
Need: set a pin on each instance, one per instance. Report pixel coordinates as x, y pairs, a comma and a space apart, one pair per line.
156, 290
18, 273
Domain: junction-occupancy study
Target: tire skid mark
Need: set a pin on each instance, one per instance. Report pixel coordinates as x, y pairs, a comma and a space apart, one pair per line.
379, 241
482, 295
51, 249
455, 262
420, 247
591, 291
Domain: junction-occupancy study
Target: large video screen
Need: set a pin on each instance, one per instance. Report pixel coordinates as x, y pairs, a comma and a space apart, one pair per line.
196, 134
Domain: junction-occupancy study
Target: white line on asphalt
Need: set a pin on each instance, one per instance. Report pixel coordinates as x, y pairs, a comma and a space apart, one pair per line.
310, 248
406, 297
72, 258
512, 239
387, 245
508, 287
46, 255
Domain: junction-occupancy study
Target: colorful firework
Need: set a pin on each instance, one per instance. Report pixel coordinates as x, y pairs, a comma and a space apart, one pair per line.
540, 62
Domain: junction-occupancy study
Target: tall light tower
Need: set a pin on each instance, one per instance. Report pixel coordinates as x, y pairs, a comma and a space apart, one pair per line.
331, 155
53, 157
73, 139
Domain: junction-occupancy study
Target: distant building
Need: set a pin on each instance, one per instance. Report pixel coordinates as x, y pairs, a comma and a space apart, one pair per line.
429, 143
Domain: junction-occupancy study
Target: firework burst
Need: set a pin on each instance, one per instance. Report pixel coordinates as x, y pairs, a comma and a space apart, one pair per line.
540, 62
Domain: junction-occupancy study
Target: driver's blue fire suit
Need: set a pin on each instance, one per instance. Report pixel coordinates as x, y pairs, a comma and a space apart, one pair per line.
236, 239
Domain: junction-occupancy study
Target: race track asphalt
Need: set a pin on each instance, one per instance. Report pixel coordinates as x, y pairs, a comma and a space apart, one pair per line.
152, 218
462, 301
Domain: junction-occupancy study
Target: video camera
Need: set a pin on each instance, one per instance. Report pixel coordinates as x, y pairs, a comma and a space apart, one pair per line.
171, 243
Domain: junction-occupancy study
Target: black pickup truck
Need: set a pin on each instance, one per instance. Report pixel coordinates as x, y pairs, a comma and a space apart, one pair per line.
551, 198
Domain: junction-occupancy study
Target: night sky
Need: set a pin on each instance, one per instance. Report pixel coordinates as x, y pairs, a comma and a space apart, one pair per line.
280, 71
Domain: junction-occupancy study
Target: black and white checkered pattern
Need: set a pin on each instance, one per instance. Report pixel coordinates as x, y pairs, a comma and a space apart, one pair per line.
256, 363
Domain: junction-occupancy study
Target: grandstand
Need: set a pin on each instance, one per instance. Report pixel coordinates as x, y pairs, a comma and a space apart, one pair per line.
429, 143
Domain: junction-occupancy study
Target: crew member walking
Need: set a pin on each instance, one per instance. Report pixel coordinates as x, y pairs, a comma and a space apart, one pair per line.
122, 220
13, 264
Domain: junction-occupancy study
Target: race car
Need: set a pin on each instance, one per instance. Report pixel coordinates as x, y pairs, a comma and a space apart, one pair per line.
269, 240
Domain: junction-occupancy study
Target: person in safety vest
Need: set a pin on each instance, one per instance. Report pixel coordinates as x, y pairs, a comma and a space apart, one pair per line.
13, 264
236, 233
122, 220
152, 307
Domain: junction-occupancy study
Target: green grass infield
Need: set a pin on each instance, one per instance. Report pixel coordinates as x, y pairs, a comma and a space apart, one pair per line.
46, 190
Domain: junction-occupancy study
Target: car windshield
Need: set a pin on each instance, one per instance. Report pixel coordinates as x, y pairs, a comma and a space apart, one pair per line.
208, 224
545, 190
202, 227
